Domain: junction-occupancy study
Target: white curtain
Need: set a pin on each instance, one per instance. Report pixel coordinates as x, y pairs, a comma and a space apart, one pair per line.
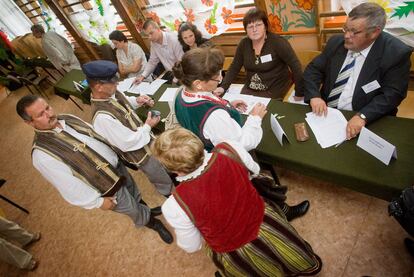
12, 20
95, 25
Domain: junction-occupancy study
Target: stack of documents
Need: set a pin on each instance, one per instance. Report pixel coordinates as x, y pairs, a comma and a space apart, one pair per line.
330, 129
250, 100
144, 88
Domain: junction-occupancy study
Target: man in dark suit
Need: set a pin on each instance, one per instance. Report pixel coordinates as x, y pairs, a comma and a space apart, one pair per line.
366, 70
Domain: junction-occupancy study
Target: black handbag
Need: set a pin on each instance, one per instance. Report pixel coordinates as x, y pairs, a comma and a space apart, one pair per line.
402, 209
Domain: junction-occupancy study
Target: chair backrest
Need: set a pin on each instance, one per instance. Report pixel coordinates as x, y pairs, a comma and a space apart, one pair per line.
24, 80
306, 56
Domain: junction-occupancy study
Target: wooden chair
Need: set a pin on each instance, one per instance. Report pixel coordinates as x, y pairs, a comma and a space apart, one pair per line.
305, 57
35, 83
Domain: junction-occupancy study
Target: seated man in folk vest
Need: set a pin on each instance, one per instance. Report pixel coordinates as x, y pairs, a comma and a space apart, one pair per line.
114, 118
82, 166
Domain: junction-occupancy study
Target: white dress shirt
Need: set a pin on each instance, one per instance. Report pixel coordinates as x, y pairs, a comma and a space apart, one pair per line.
220, 126
345, 99
120, 136
168, 53
188, 236
59, 51
73, 190
134, 52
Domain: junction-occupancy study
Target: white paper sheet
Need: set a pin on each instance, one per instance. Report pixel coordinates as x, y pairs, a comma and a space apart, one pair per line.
250, 100
168, 95
155, 85
329, 130
125, 84
147, 88
235, 88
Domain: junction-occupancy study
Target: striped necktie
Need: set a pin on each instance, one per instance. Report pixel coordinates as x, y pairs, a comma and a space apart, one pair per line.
341, 81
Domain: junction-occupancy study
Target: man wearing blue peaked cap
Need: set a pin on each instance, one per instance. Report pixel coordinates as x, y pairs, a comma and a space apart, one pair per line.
114, 118
101, 70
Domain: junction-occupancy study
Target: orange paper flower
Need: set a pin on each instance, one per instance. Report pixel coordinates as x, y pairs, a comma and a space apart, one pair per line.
305, 4
189, 15
211, 28
208, 3
154, 16
139, 24
274, 22
227, 16
177, 24
275, 2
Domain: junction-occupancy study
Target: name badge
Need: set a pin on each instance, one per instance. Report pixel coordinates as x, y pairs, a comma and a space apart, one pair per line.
376, 146
266, 58
371, 86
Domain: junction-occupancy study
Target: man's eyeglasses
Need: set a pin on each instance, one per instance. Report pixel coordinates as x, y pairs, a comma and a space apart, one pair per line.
254, 26
354, 33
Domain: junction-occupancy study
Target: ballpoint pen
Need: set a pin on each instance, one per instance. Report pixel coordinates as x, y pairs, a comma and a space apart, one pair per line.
131, 86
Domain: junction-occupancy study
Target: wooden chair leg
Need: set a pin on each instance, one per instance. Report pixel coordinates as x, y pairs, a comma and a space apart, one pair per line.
14, 204
269, 167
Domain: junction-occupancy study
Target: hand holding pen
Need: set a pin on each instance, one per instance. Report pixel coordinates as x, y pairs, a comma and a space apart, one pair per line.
138, 80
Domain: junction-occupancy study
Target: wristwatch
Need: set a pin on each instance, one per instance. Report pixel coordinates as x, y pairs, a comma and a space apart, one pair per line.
362, 116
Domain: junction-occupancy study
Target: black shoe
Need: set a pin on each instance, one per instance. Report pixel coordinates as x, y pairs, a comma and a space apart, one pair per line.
409, 244
297, 211
156, 211
217, 274
157, 226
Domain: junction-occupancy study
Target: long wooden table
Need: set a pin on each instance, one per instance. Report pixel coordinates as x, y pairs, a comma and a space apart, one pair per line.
346, 165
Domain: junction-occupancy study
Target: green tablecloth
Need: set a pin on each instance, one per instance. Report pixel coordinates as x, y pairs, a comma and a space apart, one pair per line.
65, 87
347, 164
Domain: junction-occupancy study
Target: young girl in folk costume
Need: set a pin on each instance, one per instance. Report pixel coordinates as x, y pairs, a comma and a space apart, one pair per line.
216, 201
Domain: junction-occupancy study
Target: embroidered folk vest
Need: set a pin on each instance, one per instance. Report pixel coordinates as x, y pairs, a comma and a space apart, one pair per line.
222, 203
121, 110
193, 116
85, 163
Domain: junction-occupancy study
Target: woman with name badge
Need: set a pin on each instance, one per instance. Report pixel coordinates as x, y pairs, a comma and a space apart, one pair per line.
271, 64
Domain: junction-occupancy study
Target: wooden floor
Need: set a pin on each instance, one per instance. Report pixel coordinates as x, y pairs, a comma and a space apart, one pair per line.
351, 232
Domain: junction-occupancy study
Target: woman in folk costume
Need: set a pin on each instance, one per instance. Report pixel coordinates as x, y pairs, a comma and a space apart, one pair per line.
210, 117
214, 119
216, 200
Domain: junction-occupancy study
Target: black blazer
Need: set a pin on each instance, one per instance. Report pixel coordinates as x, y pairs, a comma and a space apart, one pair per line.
388, 62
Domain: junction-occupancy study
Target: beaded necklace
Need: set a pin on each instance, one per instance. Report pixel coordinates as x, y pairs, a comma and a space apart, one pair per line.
209, 98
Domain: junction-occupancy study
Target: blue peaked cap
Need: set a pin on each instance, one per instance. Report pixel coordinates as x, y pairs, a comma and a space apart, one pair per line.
101, 70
